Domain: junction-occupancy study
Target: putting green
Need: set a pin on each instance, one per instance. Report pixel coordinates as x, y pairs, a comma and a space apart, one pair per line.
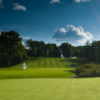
50, 89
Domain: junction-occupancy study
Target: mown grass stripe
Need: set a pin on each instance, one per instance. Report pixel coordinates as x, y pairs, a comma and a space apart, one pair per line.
60, 64
35, 63
87, 90
39, 63
42, 62
57, 62
53, 62
48, 62
50, 89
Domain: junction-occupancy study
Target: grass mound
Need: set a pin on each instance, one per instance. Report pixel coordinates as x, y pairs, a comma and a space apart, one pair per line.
77, 61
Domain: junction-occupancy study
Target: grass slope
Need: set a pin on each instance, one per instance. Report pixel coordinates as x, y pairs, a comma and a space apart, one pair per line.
50, 89
39, 68
77, 61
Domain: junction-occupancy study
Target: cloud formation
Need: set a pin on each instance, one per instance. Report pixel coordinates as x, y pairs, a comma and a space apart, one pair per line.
54, 1
0, 1
72, 34
1, 4
26, 37
23, 43
19, 7
78, 1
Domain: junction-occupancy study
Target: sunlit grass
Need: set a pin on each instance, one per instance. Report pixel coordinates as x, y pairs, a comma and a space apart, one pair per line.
39, 68
50, 89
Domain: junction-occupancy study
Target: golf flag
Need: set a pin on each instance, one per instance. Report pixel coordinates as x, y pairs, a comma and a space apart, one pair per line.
24, 66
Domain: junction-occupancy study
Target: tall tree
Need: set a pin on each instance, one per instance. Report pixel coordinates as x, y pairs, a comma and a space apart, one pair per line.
9, 42
66, 49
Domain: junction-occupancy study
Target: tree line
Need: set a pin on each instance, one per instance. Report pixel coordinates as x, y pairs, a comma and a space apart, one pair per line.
90, 51
11, 49
13, 52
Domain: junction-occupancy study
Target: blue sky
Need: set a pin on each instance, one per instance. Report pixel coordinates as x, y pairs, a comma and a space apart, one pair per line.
52, 21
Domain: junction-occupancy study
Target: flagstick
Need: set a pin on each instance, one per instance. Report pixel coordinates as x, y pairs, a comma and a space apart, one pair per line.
24, 74
24, 67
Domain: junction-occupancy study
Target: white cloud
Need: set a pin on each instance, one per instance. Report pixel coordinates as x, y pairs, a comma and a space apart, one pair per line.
81, 1
72, 34
46, 42
77, 0
85, 0
1, 4
23, 43
26, 37
18, 7
0, 1
54, 1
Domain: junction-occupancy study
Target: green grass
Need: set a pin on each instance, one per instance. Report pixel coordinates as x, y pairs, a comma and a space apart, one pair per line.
50, 89
44, 62
77, 61
39, 68
47, 79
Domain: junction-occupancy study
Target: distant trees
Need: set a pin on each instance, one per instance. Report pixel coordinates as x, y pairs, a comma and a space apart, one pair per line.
40, 49
12, 51
11, 47
66, 49
90, 51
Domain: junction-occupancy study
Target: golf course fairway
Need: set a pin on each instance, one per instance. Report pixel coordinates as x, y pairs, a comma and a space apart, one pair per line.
50, 89
46, 79
38, 68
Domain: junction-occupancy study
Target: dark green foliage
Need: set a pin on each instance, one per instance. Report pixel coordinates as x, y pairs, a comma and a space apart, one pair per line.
40, 49
90, 51
77, 61
88, 70
11, 49
66, 49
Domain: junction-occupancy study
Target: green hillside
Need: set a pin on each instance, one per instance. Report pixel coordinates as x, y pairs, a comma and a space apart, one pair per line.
39, 68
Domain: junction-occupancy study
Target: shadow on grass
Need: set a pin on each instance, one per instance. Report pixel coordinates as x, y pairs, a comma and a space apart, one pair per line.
34, 58
71, 71
67, 66
62, 60
77, 62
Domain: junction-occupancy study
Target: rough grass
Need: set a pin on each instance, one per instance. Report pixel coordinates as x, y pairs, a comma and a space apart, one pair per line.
77, 61
50, 89
39, 68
